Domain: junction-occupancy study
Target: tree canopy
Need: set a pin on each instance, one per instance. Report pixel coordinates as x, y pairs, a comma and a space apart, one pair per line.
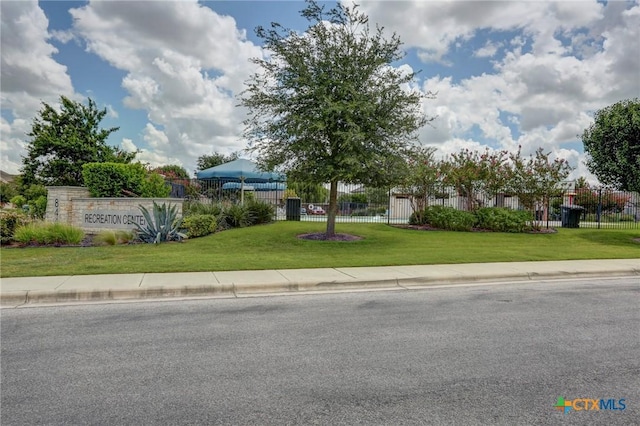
327, 105
207, 161
62, 142
613, 144
172, 171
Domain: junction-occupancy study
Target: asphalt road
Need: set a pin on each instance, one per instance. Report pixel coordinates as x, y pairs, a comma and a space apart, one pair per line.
489, 354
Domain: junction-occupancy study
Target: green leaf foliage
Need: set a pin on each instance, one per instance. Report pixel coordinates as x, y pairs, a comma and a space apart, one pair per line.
495, 219
119, 180
62, 141
613, 145
198, 207
161, 225
42, 233
503, 220
260, 212
18, 201
172, 171
207, 161
10, 220
327, 105
236, 216
154, 186
445, 218
309, 192
8, 190
199, 225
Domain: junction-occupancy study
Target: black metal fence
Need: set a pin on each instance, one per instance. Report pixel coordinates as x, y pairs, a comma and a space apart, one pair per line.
596, 207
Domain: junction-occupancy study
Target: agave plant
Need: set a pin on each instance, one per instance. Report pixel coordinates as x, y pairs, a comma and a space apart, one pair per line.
163, 226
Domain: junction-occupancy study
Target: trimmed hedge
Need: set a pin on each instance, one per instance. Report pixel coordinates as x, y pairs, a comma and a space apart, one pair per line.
489, 218
503, 219
199, 225
118, 180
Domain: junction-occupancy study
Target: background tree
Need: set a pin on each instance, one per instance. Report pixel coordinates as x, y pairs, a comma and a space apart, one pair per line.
421, 180
582, 183
535, 179
207, 161
309, 192
475, 176
613, 145
172, 171
328, 107
63, 141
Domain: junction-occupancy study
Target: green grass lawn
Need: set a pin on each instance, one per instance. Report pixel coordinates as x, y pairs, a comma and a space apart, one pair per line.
275, 246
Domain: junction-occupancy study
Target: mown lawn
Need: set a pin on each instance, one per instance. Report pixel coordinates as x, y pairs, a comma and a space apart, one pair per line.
275, 246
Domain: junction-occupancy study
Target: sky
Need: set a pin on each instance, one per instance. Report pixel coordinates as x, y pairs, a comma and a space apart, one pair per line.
506, 73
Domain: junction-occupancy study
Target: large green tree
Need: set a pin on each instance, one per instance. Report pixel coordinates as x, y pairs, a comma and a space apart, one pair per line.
62, 141
613, 145
327, 106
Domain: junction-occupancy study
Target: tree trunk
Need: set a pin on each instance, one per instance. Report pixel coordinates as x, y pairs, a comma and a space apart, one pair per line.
333, 209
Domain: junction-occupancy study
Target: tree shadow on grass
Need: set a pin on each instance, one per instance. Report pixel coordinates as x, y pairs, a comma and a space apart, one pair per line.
612, 238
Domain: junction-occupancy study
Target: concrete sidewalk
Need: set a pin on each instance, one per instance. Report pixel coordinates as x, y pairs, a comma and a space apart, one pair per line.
93, 288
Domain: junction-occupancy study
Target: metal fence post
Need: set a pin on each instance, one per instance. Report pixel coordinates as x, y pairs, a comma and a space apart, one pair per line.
599, 211
389, 208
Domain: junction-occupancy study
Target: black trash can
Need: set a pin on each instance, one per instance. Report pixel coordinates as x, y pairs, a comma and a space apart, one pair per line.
571, 216
293, 209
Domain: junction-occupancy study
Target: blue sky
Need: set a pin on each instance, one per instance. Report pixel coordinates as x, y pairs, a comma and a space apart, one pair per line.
507, 74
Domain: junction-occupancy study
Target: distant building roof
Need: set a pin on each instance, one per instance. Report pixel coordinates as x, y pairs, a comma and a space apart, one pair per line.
6, 177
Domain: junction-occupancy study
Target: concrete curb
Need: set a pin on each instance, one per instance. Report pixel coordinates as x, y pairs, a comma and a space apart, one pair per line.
249, 287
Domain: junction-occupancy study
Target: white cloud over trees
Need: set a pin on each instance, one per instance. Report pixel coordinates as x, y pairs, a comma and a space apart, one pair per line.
550, 65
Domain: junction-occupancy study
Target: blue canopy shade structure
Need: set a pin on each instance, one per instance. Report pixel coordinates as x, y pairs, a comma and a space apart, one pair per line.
239, 170
242, 171
267, 186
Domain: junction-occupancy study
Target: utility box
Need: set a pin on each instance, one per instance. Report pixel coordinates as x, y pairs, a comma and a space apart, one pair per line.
293, 209
571, 216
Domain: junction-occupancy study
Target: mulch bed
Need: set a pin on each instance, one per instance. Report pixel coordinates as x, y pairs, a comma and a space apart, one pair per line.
321, 236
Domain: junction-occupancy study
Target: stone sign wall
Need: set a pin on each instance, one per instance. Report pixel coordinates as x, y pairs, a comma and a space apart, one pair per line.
73, 205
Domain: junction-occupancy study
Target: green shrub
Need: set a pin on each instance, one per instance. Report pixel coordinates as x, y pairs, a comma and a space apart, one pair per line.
35, 191
19, 201
10, 220
7, 191
43, 233
197, 207
503, 219
199, 225
236, 216
260, 212
118, 180
111, 238
446, 218
154, 186
112, 179
38, 207
449, 219
163, 226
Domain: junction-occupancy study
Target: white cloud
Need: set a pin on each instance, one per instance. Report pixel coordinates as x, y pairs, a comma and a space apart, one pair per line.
488, 50
567, 59
29, 75
111, 112
554, 63
184, 64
